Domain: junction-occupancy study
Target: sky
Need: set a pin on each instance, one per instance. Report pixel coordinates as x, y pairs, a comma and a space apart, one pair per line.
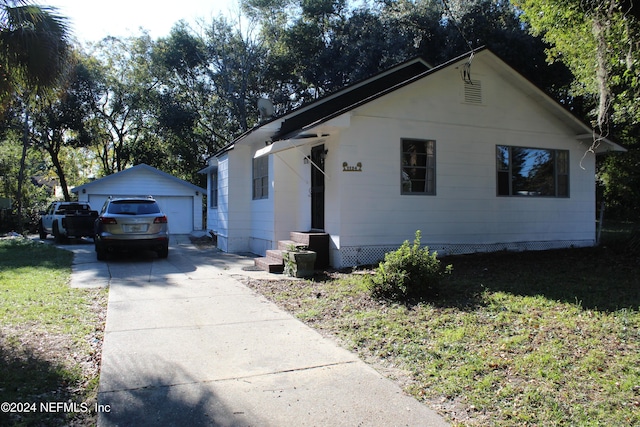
92, 20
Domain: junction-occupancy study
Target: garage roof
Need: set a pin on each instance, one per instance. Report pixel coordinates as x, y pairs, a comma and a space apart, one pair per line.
141, 166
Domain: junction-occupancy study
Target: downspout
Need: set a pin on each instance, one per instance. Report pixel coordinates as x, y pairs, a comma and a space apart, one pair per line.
600, 223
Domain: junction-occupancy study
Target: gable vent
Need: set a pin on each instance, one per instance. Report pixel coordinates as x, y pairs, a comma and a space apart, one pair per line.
473, 91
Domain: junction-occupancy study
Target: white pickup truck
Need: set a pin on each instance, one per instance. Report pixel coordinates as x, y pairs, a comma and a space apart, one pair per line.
64, 220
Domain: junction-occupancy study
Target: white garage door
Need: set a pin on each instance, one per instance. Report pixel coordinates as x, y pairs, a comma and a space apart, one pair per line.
96, 201
179, 211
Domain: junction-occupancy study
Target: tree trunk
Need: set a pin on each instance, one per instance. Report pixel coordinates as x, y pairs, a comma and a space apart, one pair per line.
600, 28
23, 159
60, 172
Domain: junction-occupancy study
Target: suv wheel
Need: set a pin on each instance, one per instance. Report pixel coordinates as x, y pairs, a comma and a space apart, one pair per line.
164, 252
101, 253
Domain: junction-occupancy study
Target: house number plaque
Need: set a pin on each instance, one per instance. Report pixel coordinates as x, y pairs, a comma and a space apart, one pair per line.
347, 168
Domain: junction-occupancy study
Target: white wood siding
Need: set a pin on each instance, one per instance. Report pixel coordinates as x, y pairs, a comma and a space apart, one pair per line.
237, 213
292, 186
465, 210
212, 212
261, 212
365, 212
220, 223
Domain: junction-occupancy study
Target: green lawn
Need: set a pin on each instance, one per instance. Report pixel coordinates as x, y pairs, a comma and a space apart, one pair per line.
50, 335
536, 338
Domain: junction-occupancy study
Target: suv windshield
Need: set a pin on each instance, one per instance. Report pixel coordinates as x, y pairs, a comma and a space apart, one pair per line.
133, 207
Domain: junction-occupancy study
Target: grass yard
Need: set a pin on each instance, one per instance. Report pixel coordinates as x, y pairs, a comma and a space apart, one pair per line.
528, 339
50, 337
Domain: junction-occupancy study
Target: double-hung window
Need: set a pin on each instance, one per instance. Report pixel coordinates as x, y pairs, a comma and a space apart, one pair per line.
418, 166
213, 189
261, 178
532, 172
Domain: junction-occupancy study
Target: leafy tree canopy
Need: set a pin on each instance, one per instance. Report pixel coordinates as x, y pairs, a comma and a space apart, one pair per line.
33, 47
599, 40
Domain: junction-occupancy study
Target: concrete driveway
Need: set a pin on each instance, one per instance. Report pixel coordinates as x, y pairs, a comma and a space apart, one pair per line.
188, 344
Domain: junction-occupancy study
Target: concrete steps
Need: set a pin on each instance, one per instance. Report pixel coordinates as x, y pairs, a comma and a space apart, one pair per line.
317, 242
269, 265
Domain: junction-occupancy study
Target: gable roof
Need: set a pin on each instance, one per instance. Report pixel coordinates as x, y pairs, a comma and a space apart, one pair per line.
345, 99
132, 171
326, 107
304, 119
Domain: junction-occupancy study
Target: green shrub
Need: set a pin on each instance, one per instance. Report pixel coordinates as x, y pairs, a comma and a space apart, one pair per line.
407, 273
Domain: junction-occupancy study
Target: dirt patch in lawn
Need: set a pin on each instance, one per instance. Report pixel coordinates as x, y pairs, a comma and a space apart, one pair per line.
41, 368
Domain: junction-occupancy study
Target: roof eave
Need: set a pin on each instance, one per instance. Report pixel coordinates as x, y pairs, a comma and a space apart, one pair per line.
256, 135
599, 144
139, 166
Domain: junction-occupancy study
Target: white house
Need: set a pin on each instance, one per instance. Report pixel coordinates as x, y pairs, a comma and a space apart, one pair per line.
469, 152
180, 200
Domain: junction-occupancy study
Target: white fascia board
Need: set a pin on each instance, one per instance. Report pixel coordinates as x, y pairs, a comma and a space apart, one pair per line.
286, 144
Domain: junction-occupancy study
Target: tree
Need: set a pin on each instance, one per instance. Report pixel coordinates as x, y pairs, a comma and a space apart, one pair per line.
316, 47
365, 43
33, 48
120, 83
599, 40
236, 67
297, 35
33, 197
213, 77
59, 122
183, 107
33, 54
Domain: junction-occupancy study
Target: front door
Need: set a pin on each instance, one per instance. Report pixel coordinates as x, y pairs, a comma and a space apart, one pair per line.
317, 187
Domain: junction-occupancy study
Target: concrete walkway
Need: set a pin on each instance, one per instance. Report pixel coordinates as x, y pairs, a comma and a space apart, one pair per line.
186, 344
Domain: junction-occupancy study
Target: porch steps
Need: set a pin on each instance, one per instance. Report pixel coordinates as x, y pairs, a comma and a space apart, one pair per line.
272, 263
285, 245
317, 242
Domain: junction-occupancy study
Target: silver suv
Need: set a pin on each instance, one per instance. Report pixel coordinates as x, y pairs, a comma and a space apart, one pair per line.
131, 223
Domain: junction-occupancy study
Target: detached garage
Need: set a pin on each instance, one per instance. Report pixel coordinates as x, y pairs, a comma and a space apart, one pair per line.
180, 200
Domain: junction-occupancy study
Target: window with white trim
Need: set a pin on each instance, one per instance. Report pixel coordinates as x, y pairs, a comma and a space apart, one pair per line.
261, 178
418, 166
213, 189
532, 172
